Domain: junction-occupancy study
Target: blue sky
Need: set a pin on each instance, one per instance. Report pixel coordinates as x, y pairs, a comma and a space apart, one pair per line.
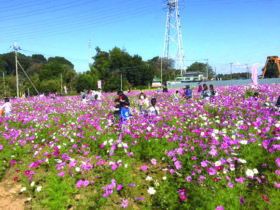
223, 31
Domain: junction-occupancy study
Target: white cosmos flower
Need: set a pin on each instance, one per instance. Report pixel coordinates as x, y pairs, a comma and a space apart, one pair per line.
148, 178
151, 191
218, 163
77, 169
39, 188
164, 178
249, 173
125, 165
255, 171
23, 189
243, 142
32, 184
242, 161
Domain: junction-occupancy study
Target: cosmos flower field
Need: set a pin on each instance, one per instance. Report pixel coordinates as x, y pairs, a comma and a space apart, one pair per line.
221, 154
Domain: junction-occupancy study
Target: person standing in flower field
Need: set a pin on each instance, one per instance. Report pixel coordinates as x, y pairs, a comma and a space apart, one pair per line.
176, 96
98, 95
143, 103
7, 107
205, 92
199, 88
153, 111
123, 98
165, 90
125, 114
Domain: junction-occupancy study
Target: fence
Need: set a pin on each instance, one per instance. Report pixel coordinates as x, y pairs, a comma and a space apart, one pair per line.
225, 83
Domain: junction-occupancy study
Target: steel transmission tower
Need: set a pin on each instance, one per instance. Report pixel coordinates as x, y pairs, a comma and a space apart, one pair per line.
173, 43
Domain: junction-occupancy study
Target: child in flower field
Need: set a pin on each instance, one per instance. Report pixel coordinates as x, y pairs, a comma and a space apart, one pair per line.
84, 100
188, 93
7, 107
205, 92
143, 103
125, 114
213, 92
153, 110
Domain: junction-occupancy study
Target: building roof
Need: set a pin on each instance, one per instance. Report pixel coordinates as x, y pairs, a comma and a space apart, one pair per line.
193, 73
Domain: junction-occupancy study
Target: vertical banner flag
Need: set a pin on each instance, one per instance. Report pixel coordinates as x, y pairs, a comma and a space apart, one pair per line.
99, 84
255, 75
65, 89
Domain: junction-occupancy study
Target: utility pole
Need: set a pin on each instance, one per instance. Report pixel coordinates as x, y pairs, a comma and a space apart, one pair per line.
216, 73
207, 69
231, 71
247, 67
16, 62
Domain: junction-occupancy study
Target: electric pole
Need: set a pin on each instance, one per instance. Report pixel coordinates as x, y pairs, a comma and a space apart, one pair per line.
231, 71
16, 48
207, 69
247, 67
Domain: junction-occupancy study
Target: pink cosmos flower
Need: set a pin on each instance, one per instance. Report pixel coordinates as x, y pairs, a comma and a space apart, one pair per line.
79, 183
86, 183
189, 179
183, 197
242, 201
278, 161
114, 167
277, 185
211, 171
154, 161
124, 203
144, 168
219, 208
27, 172
119, 187
13, 162
61, 174
277, 172
1, 146
86, 153
230, 184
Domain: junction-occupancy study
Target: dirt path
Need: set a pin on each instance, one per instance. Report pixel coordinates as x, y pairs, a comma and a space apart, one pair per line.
10, 199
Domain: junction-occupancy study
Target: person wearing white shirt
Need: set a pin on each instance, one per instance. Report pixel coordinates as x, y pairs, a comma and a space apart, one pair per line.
7, 107
99, 95
153, 110
143, 103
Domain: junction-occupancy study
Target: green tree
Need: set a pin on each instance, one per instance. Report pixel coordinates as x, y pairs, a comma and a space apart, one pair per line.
201, 67
38, 58
60, 60
85, 81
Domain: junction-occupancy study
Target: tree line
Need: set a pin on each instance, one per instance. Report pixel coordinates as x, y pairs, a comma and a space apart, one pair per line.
116, 69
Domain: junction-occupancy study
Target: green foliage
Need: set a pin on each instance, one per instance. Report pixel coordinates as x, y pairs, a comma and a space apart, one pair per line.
86, 81
201, 67
109, 66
